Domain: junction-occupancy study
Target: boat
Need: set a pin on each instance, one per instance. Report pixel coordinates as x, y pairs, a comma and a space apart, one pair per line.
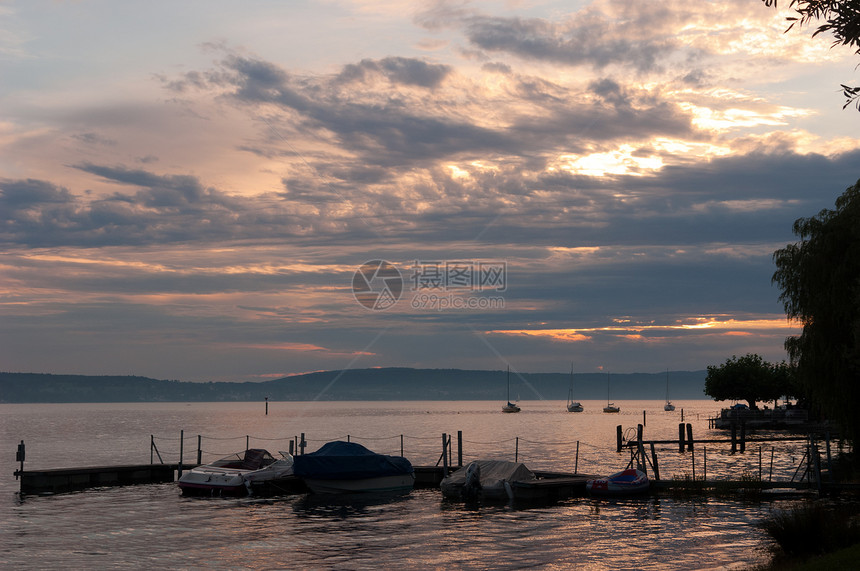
510, 407
668, 407
233, 475
572, 405
490, 480
347, 467
610, 406
626, 482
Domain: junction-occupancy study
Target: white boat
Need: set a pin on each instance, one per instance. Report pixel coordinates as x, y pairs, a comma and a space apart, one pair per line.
572, 405
626, 482
234, 474
610, 406
346, 467
669, 407
489, 480
510, 407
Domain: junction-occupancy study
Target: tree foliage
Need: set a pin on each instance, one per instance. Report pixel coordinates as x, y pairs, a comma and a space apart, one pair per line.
820, 281
841, 18
748, 378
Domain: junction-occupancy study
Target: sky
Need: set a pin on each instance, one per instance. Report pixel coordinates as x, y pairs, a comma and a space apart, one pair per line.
225, 191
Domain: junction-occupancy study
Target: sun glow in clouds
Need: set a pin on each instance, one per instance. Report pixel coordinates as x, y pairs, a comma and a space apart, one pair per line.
633, 331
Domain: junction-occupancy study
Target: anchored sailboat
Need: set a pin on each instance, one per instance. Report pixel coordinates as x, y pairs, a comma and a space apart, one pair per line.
510, 407
572, 405
610, 406
669, 407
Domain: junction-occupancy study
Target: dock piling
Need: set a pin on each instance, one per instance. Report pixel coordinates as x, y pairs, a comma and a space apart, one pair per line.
618, 437
460, 448
181, 443
681, 438
689, 437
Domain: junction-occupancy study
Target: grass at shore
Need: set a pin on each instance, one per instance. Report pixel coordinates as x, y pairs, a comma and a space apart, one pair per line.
847, 559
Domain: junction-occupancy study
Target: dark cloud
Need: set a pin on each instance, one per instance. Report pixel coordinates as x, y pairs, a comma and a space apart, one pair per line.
406, 71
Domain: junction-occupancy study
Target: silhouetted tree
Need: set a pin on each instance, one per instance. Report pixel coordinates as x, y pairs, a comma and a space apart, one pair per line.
820, 281
748, 378
839, 17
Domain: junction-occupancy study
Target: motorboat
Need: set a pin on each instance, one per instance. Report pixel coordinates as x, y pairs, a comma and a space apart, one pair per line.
572, 405
486, 480
510, 407
233, 475
626, 482
347, 467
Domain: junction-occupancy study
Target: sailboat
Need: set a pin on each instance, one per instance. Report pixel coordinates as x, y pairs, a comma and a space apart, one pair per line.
610, 406
572, 405
510, 407
669, 407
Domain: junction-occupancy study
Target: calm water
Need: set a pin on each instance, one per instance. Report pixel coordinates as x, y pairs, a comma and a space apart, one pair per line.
153, 526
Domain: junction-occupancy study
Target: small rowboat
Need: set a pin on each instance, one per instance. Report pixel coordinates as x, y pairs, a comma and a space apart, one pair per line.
623, 483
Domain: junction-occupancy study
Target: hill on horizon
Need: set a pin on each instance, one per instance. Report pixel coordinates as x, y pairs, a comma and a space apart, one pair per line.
393, 383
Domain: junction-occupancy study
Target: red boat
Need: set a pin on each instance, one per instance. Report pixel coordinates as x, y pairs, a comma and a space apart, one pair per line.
626, 482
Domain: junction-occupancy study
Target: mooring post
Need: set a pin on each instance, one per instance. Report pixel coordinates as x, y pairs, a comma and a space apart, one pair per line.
734, 437
19, 456
199, 450
654, 462
460, 448
247, 441
682, 415
181, 445
576, 463
640, 450
401, 446
770, 475
743, 436
302, 444
292, 449
704, 463
444, 455
267, 406
517, 450
681, 438
689, 437
151, 447
618, 437
643, 419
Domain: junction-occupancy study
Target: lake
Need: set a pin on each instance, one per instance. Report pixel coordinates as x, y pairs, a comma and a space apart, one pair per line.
154, 527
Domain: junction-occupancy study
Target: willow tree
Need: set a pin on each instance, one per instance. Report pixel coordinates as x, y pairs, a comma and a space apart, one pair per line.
820, 281
839, 18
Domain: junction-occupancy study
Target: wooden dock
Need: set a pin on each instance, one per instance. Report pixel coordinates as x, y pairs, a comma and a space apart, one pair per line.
60, 480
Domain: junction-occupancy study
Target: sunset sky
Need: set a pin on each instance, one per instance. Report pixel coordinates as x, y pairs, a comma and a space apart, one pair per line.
187, 189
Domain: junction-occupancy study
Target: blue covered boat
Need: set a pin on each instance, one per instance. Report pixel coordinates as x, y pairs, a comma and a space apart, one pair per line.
347, 467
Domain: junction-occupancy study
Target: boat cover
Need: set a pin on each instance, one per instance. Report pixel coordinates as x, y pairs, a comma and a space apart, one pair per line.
494, 473
348, 461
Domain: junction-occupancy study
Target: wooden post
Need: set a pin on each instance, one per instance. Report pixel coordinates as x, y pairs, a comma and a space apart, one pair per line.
460, 448
444, 455
181, 443
734, 437
267, 406
643, 419
704, 464
743, 436
759, 462
401, 446
292, 450
654, 462
199, 450
517, 450
689, 437
770, 475
682, 415
681, 438
618, 437
576, 464
640, 450
151, 447
20, 455
302, 444
247, 442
